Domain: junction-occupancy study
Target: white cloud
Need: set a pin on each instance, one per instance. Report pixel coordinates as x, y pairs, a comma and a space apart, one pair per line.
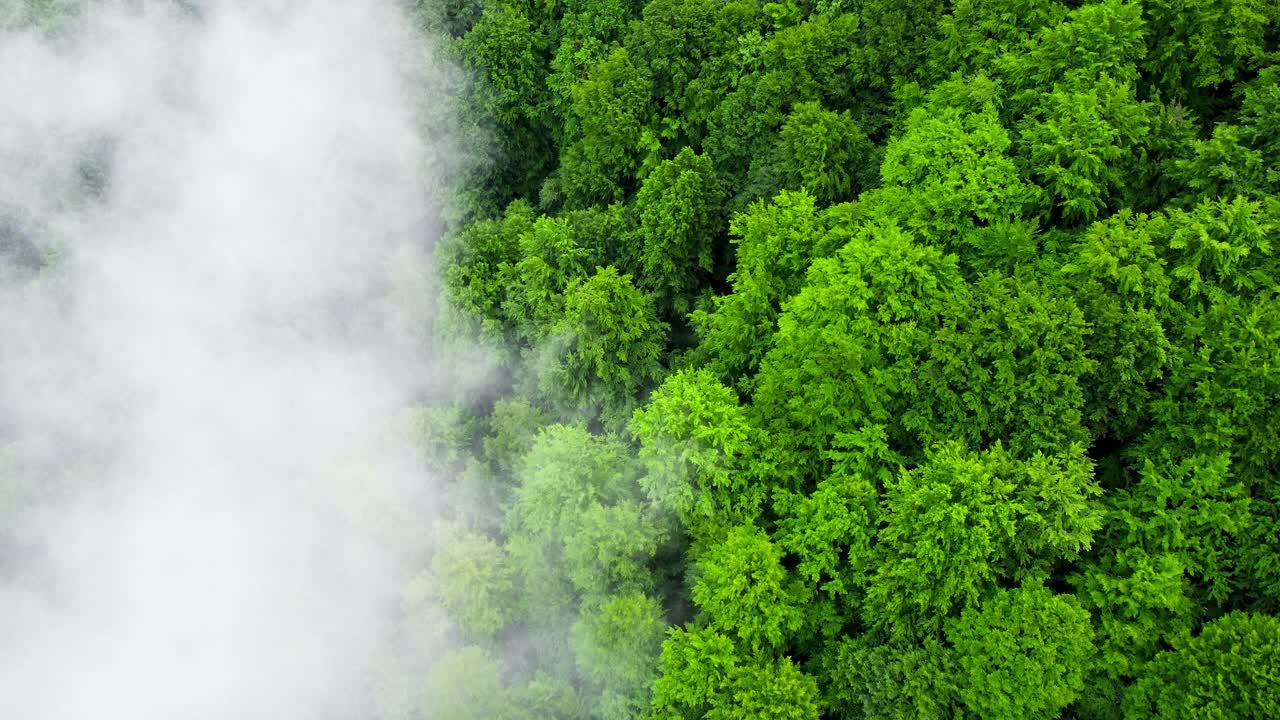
225, 192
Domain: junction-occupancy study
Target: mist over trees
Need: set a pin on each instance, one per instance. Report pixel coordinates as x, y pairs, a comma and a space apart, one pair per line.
884, 359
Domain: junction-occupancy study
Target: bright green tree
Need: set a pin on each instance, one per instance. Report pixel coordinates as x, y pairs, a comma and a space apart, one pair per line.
742, 587
962, 521
776, 242
1230, 670
850, 346
776, 690
1023, 654
951, 172
695, 666
551, 259
697, 445
477, 263
1082, 144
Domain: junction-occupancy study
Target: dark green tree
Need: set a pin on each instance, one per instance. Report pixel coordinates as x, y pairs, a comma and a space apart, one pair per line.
680, 205
776, 242
822, 152
605, 347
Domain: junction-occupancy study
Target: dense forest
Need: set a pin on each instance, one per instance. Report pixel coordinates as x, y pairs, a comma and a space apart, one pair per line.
885, 359
866, 359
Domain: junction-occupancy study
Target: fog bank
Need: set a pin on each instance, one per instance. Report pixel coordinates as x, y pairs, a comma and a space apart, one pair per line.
208, 213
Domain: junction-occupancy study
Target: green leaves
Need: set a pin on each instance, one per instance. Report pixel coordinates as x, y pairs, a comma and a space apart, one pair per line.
1138, 600
1194, 508
864, 676
504, 44
1224, 166
680, 212
565, 472
1221, 248
506, 50
962, 520
831, 531
1095, 40
776, 690
1024, 654
1219, 398
696, 445
551, 260
741, 585
776, 242
618, 643
605, 347
703, 676
477, 262
1081, 144
474, 577
980, 419
849, 344
955, 173
696, 665
946, 526
1008, 367
1230, 670
1122, 285
822, 152
611, 548
612, 106
1197, 45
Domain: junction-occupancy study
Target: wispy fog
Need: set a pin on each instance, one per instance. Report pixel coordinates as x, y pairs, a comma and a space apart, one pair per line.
211, 216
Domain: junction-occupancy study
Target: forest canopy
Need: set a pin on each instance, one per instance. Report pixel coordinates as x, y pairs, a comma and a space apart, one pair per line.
874, 359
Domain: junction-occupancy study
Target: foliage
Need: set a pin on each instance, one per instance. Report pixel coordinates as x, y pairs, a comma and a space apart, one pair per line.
605, 347
863, 676
775, 244
618, 643
767, 691
849, 346
696, 445
680, 207
954, 170
1017, 635
893, 359
822, 152
466, 685
742, 587
611, 548
961, 521
474, 578
1229, 670
867, 359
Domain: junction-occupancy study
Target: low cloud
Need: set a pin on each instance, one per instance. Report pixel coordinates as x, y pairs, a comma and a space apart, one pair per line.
210, 218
